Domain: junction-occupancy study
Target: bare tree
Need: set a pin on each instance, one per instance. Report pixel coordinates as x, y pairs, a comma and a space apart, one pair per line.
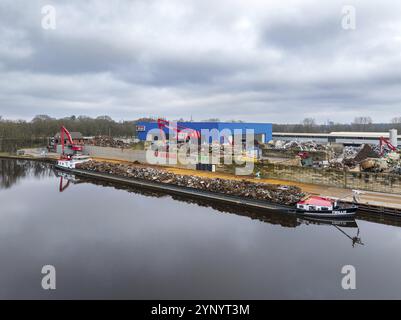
395, 120
362, 120
309, 122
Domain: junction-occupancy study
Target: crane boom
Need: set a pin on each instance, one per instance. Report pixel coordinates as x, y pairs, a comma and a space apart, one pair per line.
384, 141
74, 147
161, 123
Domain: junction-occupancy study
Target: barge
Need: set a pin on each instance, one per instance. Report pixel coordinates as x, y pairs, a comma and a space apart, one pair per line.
179, 190
312, 206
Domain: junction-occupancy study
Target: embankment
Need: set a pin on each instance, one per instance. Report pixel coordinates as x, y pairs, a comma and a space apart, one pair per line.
283, 195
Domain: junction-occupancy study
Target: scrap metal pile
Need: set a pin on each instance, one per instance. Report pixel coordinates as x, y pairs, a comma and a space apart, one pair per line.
286, 195
346, 160
298, 145
106, 141
367, 158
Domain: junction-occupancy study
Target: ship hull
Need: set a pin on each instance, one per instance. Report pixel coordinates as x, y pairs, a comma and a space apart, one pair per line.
336, 213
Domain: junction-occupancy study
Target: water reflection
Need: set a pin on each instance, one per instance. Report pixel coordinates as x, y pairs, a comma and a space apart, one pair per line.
283, 219
11, 171
106, 243
339, 224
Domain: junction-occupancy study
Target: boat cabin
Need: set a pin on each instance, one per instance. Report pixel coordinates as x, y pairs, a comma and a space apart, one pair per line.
70, 163
317, 204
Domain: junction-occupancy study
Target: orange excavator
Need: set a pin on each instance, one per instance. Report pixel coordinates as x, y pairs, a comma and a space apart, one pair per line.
74, 147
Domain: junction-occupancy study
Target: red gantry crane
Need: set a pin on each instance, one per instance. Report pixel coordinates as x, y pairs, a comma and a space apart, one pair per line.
75, 148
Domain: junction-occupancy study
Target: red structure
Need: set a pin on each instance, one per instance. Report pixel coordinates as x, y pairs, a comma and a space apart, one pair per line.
74, 147
385, 141
317, 201
188, 133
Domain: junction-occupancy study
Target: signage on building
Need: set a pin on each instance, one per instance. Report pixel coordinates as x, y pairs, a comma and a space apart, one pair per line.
140, 128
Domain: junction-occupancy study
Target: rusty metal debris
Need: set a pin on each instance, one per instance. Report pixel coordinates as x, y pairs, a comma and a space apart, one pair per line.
106, 141
298, 145
287, 195
366, 152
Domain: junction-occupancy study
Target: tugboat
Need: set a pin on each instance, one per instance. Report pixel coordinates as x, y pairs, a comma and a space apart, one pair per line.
321, 207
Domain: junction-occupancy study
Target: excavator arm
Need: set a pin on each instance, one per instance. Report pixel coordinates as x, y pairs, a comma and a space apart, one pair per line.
74, 147
161, 123
385, 141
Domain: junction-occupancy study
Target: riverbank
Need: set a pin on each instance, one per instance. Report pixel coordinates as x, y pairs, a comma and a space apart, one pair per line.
377, 203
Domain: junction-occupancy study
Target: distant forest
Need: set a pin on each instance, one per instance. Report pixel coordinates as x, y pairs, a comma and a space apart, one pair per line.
46, 126
361, 124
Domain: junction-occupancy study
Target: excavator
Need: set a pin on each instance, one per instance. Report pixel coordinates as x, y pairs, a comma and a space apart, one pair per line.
74, 147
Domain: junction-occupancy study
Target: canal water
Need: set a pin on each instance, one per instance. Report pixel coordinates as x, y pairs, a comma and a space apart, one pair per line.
114, 242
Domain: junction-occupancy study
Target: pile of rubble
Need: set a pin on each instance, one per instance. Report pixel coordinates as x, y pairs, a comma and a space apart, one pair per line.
367, 159
351, 157
388, 163
350, 152
297, 145
287, 195
106, 141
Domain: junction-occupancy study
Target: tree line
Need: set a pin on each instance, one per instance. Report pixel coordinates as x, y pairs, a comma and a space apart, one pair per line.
45, 126
359, 124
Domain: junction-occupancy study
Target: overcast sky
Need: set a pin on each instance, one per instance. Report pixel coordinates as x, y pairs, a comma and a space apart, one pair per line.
267, 61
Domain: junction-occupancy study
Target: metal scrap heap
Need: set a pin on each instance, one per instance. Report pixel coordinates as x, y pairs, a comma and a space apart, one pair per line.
298, 145
286, 195
368, 159
106, 141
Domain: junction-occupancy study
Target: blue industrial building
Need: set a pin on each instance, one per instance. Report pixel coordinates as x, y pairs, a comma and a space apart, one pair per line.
262, 131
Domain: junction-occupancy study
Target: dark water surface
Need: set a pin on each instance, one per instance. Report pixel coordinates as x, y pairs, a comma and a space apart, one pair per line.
114, 243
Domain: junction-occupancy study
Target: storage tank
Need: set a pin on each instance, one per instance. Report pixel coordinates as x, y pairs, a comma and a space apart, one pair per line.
394, 137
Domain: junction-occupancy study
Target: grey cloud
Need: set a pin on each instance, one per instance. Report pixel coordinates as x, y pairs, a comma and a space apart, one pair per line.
253, 60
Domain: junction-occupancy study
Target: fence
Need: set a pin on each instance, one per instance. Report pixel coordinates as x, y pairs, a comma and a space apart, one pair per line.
378, 182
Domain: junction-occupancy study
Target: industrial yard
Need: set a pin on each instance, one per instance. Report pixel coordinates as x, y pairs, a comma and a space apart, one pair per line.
284, 171
188, 153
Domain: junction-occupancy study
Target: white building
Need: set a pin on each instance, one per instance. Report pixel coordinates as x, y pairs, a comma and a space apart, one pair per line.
347, 138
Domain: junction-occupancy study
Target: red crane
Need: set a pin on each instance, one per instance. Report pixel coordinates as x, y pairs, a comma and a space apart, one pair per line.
73, 146
385, 141
189, 133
